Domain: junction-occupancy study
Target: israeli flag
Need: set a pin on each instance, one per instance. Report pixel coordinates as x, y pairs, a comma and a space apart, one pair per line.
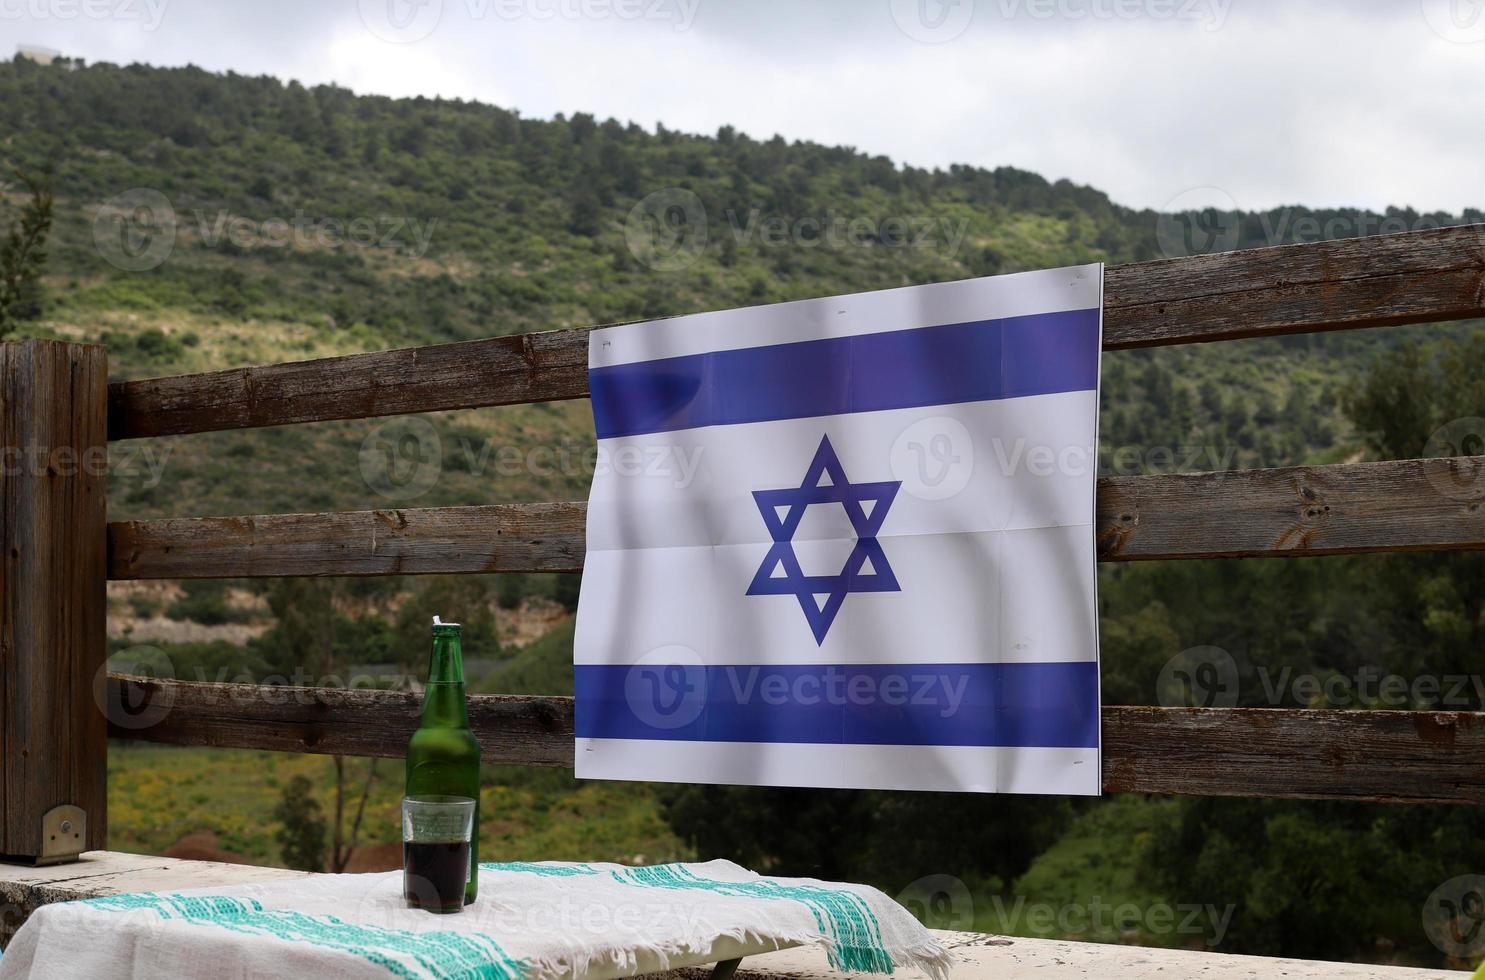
848, 542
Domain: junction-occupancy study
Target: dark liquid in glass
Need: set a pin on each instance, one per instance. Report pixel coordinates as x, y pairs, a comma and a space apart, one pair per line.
434, 875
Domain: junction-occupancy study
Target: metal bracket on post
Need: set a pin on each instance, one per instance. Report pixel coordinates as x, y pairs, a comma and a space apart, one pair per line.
64, 832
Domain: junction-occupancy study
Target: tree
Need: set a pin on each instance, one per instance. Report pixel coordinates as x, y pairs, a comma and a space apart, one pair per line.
304, 646
567, 588
887, 838
465, 600
510, 589
23, 254
301, 832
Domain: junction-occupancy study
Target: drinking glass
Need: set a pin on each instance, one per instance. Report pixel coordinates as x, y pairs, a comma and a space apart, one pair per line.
436, 835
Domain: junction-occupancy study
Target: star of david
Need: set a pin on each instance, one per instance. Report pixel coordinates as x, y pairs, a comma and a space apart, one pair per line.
866, 569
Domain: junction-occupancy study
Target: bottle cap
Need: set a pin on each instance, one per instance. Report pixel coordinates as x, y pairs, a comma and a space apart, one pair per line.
439, 626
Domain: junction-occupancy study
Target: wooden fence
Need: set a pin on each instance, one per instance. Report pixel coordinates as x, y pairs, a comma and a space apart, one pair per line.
54, 536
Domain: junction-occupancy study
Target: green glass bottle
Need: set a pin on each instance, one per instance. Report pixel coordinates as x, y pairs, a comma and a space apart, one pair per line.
443, 758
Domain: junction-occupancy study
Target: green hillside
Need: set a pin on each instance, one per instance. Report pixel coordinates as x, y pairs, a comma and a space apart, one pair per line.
210, 221
207, 221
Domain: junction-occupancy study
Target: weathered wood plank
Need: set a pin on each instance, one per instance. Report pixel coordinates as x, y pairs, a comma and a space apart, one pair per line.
1376, 756
548, 366
527, 731
1399, 505
1401, 756
1408, 505
496, 538
53, 540
1359, 282
1381, 280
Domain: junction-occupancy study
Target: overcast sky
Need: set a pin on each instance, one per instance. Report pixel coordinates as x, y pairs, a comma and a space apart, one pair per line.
1256, 103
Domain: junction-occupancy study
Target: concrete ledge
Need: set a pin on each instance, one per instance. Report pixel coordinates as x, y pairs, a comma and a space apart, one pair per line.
23, 889
982, 957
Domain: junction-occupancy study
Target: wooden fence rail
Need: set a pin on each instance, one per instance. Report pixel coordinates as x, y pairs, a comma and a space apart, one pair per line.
1341, 285
1407, 505
1391, 756
1419, 757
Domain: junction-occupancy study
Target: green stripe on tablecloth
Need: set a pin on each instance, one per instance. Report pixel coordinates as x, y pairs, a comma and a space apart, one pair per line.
437, 955
547, 870
842, 915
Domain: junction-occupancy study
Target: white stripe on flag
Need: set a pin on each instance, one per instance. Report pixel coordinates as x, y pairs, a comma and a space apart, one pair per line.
974, 769
1018, 294
990, 597
982, 466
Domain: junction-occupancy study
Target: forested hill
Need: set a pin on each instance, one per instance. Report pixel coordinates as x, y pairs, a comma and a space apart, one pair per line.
208, 220
488, 222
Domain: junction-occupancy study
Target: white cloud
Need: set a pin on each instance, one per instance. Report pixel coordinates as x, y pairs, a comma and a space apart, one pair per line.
1321, 102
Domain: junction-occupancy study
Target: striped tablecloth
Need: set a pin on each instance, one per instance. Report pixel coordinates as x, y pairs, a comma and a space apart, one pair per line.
543, 920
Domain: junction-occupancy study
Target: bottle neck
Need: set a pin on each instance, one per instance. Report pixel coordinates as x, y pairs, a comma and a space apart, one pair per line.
443, 701
448, 660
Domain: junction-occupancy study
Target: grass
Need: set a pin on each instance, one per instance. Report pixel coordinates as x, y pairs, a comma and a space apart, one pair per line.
158, 794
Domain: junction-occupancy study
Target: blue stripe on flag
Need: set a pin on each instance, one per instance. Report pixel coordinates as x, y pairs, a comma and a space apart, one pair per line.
1053, 705
984, 360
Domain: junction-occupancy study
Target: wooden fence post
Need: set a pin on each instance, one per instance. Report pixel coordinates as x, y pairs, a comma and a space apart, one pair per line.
53, 591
